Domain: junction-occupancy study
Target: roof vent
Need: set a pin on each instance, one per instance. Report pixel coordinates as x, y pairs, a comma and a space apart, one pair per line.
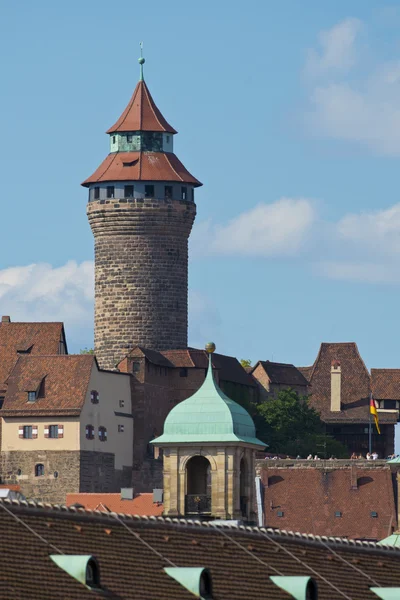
374, 514
280, 513
300, 588
5, 319
196, 580
127, 493
386, 593
158, 496
338, 513
83, 567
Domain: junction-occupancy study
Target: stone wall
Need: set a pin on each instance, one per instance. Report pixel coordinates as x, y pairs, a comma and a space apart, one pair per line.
141, 274
64, 472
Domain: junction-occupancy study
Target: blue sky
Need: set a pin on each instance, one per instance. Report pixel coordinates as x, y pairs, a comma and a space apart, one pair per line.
288, 112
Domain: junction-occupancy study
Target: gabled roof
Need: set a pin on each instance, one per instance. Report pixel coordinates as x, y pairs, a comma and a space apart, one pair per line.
282, 373
141, 114
306, 372
324, 491
229, 368
142, 166
66, 380
385, 384
37, 338
132, 553
355, 385
142, 504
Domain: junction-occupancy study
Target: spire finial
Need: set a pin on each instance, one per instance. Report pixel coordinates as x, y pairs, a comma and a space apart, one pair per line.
141, 61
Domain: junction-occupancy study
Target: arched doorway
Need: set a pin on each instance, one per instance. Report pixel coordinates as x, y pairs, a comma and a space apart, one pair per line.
198, 486
243, 487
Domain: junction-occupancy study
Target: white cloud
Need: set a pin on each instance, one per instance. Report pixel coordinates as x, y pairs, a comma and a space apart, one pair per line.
277, 229
367, 272
364, 109
40, 292
337, 51
376, 230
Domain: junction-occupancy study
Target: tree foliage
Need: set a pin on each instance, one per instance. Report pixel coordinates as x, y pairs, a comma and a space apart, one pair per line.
245, 362
289, 425
86, 351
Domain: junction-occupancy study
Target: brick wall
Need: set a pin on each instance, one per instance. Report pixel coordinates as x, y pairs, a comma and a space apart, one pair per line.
141, 275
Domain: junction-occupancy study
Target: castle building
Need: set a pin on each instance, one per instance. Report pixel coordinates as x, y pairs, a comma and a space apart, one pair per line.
141, 210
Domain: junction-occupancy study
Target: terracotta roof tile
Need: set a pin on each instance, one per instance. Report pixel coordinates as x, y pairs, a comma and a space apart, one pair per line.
142, 504
306, 372
282, 373
132, 553
385, 384
66, 379
40, 338
142, 166
355, 385
325, 491
141, 114
229, 367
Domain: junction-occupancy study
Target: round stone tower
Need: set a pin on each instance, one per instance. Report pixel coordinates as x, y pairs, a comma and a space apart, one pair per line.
141, 210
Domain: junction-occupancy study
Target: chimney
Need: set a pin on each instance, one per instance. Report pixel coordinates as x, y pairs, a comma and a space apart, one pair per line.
5, 319
336, 385
127, 493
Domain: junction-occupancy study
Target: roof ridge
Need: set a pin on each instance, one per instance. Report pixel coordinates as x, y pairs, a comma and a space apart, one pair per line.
72, 510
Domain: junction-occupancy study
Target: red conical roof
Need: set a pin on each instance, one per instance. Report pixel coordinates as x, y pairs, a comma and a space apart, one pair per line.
141, 166
141, 114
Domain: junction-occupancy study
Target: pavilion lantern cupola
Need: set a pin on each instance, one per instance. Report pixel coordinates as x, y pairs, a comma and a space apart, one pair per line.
141, 210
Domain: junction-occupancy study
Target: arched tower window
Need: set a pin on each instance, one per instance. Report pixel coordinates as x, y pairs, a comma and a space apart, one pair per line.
198, 486
39, 470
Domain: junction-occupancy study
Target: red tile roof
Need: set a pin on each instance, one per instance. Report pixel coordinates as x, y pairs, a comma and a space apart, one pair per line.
282, 373
355, 385
37, 338
142, 504
66, 379
142, 166
132, 553
141, 114
325, 491
385, 384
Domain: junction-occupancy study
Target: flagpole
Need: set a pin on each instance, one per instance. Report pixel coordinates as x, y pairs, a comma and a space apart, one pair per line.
370, 431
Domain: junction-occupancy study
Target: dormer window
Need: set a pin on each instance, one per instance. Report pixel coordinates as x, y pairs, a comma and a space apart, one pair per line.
110, 191
32, 396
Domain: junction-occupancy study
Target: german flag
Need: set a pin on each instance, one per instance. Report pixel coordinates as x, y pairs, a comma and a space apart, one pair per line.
374, 412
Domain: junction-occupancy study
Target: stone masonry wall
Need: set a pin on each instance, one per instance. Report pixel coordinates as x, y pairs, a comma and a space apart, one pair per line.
64, 472
141, 275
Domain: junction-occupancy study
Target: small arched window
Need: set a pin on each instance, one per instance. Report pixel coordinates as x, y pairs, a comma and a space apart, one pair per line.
94, 396
89, 432
39, 470
102, 434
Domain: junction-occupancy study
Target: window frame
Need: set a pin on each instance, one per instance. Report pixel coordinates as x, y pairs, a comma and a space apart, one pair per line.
126, 195
53, 429
94, 397
39, 470
121, 428
96, 192
102, 433
184, 192
122, 403
89, 432
25, 429
147, 193
32, 396
110, 191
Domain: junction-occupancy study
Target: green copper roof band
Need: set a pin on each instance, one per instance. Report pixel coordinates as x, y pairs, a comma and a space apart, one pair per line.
196, 580
386, 593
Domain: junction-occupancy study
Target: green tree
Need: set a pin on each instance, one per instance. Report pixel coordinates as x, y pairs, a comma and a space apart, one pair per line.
245, 362
289, 425
86, 351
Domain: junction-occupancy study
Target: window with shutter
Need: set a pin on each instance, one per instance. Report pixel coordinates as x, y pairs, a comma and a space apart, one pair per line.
89, 432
